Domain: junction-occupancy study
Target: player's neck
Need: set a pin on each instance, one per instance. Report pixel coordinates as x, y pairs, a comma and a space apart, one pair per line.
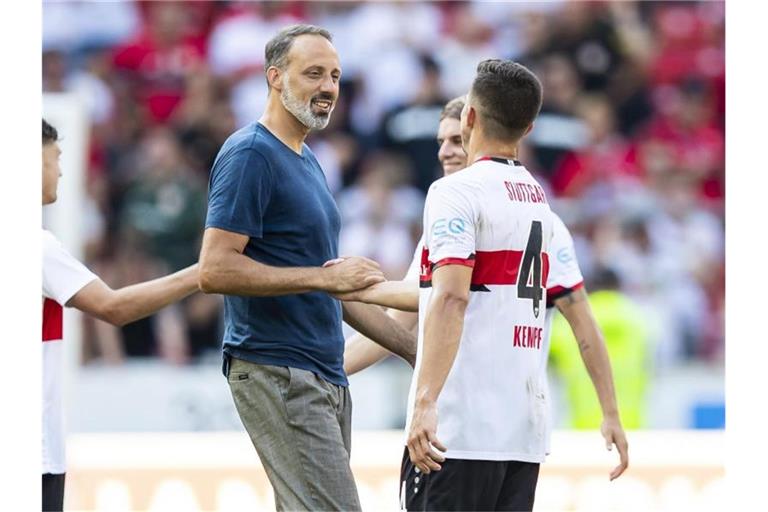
480, 147
283, 124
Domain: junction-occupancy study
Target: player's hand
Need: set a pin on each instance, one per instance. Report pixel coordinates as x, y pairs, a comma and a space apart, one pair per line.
361, 295
422, 440
613, 433
348, 274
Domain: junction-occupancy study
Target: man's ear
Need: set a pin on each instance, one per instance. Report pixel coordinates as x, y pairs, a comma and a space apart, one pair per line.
275, 78
471, 116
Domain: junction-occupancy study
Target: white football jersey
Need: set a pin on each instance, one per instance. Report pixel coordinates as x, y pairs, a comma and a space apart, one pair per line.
493, 217
414, 269
564, 277
63, 277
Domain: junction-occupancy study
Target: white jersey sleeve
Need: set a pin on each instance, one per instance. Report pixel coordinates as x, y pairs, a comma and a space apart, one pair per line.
451, 218
564, 273
63, 275
414, 269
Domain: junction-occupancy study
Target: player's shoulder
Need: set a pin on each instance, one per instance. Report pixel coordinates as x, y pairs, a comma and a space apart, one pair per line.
559, 226
458, 182
50, 241
53, 249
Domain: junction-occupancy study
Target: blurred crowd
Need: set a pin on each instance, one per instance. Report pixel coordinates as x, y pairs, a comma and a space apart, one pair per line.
629, 143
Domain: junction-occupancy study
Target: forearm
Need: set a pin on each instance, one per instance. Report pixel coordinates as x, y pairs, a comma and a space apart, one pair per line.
400, 295
443, 326
137, 301
234, 273
371, 321
361, 352
592, 350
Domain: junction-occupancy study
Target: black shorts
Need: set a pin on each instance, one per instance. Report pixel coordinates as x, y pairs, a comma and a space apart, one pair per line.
53, 492
469, 485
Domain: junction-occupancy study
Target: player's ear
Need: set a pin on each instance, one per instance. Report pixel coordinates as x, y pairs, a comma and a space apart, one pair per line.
471, 116
275, 78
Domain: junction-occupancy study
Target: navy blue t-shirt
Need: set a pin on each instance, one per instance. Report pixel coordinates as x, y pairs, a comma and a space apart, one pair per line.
261, 188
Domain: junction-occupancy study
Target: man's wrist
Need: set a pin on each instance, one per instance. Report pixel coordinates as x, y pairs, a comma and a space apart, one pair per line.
319, 279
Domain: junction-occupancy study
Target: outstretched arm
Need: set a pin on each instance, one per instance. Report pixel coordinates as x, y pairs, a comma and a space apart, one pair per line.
371, 321
400, 295
131, 303
225, 269
361, 352
576, 309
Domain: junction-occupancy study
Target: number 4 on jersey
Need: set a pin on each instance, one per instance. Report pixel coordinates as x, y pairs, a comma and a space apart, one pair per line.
529, 285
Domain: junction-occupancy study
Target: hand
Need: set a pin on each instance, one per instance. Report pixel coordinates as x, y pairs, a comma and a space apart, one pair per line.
613, 433
362, 295
350, 274
353, 296
422, 439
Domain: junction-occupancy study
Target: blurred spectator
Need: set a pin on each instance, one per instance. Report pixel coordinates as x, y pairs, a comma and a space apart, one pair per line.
469, 41
586, 36
606, 157
628, 347
160, 59
557, 129
382, 215
165, 205
412, 128
75, 25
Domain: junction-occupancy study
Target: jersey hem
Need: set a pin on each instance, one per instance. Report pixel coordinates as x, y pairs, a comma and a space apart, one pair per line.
54, 469
494, 456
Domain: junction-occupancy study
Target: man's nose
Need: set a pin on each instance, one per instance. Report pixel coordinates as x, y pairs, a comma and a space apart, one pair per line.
329, 86
443, 151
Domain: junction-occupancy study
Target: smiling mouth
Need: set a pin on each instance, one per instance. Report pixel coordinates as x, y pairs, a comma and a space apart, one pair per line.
323, 105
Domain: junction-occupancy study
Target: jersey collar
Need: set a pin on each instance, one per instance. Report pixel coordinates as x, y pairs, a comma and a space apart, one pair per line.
505, 161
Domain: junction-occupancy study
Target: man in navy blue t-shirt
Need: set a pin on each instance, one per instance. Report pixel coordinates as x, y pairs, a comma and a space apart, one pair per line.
272, 223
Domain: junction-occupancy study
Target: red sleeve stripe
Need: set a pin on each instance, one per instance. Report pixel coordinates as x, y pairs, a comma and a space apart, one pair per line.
555, 292
488, 267
467, 262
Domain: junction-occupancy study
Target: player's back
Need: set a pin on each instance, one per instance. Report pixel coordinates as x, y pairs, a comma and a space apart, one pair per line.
492, 216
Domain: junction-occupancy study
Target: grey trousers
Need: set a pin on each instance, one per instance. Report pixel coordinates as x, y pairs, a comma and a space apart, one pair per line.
300, 426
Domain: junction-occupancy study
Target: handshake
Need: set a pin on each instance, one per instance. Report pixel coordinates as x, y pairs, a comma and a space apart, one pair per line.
352, 278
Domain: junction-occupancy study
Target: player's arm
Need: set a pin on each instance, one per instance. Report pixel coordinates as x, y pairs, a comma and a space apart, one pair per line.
400, 295
443, 325
128, 304
577, 311
361, 352
372, 322
225, 269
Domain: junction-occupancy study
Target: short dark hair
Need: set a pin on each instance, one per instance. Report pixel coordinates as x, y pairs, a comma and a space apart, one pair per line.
276, 51
508, 96
49, 133
452, 109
